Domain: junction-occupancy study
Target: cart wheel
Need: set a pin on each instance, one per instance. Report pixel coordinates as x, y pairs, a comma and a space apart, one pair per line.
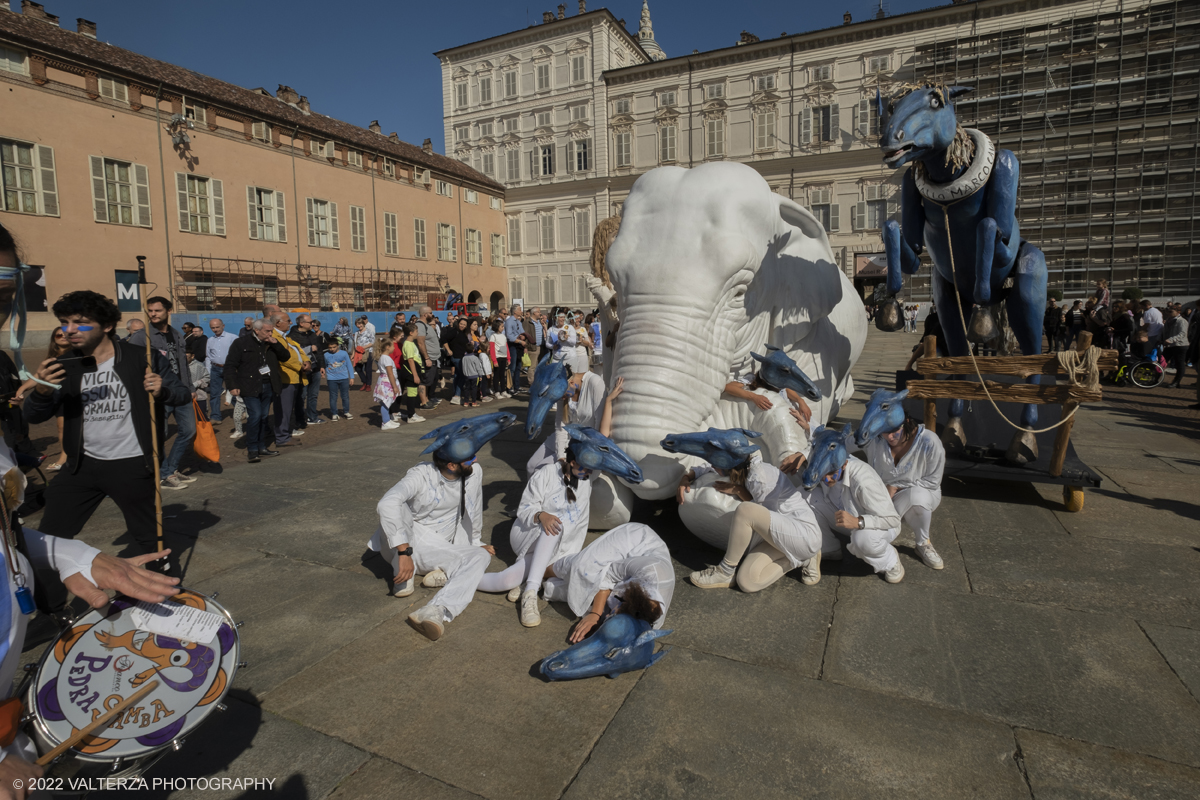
1073, 498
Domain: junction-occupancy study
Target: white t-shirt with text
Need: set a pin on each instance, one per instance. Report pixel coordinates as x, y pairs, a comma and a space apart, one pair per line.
108, 432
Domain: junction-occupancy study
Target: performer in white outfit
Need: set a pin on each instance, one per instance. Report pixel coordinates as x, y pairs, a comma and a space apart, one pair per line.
626, 571
854, 500
910, 461
773, 522
563, 340
582, 359
588, 404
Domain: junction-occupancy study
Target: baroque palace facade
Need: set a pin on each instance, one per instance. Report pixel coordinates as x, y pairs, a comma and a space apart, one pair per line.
236, 196
1097, 97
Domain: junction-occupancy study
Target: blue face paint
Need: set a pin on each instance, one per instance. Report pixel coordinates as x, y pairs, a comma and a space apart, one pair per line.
85, 328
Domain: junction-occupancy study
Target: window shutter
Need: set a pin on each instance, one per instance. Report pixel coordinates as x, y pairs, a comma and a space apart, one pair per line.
860, 216
252, 211
833, 216
280, 218
835, 129
864, 117
49, 184
181, 188
806, 126
218, 206
141, 180
533, 173
312, 232
98, 198
333, 226
571, 156
453, 242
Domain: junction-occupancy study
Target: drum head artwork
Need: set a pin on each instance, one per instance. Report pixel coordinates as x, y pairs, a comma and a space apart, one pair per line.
105, 658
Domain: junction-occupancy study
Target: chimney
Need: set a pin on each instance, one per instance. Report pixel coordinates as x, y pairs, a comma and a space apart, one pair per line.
846, 18
287, 94
302, 104
394, 137
748, 38
562, 12
374, 127
582, 6
427, 145
547, 16
37, 11
621, 22
86, 27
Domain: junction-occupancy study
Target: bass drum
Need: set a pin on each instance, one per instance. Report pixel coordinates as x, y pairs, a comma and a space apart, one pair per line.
104, 658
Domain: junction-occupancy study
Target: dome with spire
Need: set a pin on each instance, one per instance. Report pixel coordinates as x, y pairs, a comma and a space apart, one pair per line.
646, 35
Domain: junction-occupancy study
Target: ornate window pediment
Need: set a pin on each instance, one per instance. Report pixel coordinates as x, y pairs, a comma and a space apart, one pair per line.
460, 151
667, 116
542, 53
484, 67
716, 106
621, 123
579, 128
509, 61
764, 101
487, 142
578, 46
461, 73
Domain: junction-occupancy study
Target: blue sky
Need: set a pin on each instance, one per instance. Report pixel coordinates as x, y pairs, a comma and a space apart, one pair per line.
360, 60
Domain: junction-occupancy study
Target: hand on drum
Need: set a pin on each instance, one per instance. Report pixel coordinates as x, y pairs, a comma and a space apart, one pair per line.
16, 774
124, 575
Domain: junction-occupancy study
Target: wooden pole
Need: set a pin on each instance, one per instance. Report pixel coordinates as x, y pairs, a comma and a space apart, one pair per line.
1063, 436
930, 403
158, 517
99, 722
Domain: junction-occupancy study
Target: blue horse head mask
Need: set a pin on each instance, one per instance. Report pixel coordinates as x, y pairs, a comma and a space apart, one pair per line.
622, 644
780, 371
829, 454
884, 414
596, 451
919, 123
549, 386
724, 449
459, 441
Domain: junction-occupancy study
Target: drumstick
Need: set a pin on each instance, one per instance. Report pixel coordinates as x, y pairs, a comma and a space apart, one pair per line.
98, 723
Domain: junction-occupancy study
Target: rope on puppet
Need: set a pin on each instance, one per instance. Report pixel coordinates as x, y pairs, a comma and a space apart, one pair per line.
16, 323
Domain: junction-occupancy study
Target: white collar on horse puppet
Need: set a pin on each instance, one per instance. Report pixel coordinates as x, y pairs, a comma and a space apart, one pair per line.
974, 177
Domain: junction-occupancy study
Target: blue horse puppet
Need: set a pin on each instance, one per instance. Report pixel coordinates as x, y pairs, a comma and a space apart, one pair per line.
959, 201
459, 441
622, 644
549, 386
596, 451
724, 449
830, 451
884, 414
781, 372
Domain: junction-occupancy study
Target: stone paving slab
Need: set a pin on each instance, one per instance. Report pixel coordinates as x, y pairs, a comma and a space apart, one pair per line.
701, 726
1108, 513
1086, 676
464, 710
1062, 769
380, 779
1086, 573
1181, 648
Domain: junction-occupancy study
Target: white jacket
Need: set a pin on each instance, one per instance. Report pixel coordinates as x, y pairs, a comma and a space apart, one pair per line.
628, 553
587, 410
404, 512
547, 492
861, 493
921, 466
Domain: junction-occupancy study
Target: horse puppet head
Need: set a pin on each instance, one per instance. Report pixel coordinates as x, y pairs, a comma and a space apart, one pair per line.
830, 452
885, 413
622, 644
781, 372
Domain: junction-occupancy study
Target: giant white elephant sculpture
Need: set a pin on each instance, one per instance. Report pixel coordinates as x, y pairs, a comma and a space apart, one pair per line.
710, 264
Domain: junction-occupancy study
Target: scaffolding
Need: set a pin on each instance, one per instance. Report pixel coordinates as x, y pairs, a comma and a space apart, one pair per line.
1102, 111
210, 283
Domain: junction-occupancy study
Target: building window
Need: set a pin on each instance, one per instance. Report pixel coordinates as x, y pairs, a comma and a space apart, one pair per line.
514, 234
489, 164
878, 64
714, 138
622, 149
322, 223
391, 238
120, 191
583, 228
494, 203
28, 177
868, 118
389, 168
512, 165
581, 157
510, 84
497, 250
667, 137
622, 106
474, 246
447, 243
764, 130
322, 149
268, 218
471, 196
545, 157
114, 88
542, 120
358, 229
819, 124
543, 77
261, 131
354, 158
872, 213
764, 83
196, 113
714, 91
822, 73
485, 129
546, 227
548, 293
201, 204
666, 99
419, 250
512, 125
460, 94
462, 133
578, 69
823, 208
514, 287
12, 60
270, 291
485, 90
445, 189
579, 112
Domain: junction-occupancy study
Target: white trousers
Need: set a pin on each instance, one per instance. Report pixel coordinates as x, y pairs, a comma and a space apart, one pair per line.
915, 505
464, 567
872, 545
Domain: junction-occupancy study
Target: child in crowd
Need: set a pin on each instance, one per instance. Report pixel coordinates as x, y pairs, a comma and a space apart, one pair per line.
387, 383
412, 372
337, 371
200, 379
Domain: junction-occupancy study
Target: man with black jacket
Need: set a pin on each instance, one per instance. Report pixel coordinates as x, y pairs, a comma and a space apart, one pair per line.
252, 373
103, 394
302, 333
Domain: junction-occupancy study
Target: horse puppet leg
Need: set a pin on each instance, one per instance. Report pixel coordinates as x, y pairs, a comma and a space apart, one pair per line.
900, 256
984, 323
1026, 310
944, 296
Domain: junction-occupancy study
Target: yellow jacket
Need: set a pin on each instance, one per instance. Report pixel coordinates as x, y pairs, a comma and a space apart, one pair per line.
291, 368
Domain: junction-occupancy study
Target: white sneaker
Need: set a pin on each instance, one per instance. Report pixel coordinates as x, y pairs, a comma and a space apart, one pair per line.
184, 478
514, 594
390, 425
348, 415
895, 574
487, 399
434, 580
237, 434
416, 418
711, 578
810, 571
456, 400
405, 588
530, 616
298, 432
334, 418
429, 621
929, 556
